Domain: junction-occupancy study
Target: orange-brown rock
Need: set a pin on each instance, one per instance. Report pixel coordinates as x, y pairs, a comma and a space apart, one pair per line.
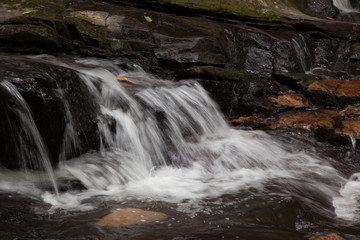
328, 85
351, 127
309, 120
289, 100
351, 110
130, 216
331, 236
350, 88
340, 88
253, 120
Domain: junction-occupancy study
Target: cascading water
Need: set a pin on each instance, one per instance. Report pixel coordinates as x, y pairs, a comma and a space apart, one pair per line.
344, 5
30, 145
70, 139
169, 142
302, 52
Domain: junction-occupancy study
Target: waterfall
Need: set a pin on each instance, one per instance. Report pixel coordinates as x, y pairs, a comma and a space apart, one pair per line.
30, 145
344, 5
168, 141
302, 52
70, 139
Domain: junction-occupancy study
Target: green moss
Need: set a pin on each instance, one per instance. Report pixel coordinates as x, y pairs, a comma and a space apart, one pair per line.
82, 17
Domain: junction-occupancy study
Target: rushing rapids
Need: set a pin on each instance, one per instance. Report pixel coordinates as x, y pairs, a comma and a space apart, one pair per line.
168, 142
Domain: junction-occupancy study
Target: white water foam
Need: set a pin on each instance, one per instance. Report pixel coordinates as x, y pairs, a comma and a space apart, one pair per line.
169, 142
344, 6
347, 206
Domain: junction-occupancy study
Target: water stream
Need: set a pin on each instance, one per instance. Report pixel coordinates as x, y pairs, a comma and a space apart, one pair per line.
344, 5
31, 148
302, 52
169, 143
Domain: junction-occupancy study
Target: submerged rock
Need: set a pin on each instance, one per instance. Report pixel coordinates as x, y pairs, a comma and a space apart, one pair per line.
130, 216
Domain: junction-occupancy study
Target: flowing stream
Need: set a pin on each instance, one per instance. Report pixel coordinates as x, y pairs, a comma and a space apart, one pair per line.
344, 5
168, 142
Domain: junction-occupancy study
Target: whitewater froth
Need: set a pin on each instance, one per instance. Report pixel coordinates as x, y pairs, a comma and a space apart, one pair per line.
169, 142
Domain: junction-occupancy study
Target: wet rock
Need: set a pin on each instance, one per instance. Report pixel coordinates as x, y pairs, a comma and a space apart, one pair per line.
28, 38
332, 92
227, 94
287, 99
130, 216
320, 8
324, 52
349, 17
323, 92
330, 236
215, 74
294, 81
309, 120
264, 67
285, 57
7, 13
355, 52
253, 122
177, 50
350, 127
114, 25
87, 34
95, 17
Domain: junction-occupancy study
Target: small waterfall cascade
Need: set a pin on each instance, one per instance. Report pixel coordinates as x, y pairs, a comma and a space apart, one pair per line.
344, 5
168, 141
353, 143
30, 145
143, 128
302, 52
70, 139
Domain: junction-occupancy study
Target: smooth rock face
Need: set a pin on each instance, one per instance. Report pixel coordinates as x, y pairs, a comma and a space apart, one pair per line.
130, 216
